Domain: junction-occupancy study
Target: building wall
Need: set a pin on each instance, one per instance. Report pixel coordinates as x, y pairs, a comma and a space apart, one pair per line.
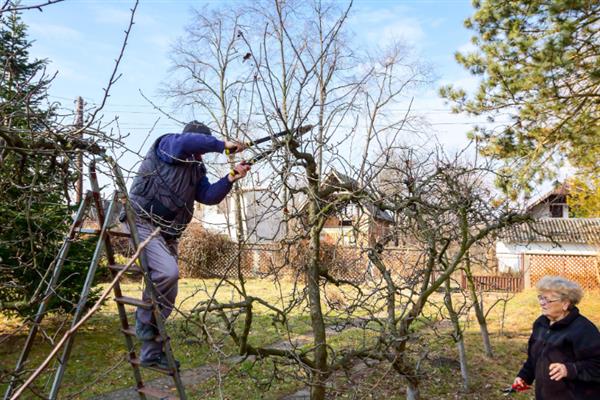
542, 210
262, 217
510, 254
363, 232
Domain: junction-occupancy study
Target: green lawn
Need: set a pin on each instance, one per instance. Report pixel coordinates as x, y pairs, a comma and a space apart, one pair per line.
97, 362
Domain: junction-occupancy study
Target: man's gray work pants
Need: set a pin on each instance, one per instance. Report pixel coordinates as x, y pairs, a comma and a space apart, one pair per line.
164, 273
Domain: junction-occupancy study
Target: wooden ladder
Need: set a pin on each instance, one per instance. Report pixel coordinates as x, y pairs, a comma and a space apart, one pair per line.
104, 247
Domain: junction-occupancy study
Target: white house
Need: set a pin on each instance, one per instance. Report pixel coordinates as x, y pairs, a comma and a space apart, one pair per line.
547, 236
551, 205
262, 216
553, 244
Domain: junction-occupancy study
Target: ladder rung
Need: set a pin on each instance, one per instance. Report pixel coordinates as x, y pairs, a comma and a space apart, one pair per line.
134, 302
129, 331
89, 231
159, 394
92, 231
119, 233
134, 269
136, 361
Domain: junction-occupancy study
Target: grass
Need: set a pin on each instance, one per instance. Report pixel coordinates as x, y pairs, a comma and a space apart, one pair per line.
98, 354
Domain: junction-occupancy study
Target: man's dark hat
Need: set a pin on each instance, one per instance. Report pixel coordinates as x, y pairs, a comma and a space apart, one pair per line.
196, 127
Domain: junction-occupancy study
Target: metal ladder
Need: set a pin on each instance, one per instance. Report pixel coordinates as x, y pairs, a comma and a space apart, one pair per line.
104, 246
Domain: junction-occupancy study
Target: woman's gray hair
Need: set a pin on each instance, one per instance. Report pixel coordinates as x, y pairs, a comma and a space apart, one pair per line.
568, 290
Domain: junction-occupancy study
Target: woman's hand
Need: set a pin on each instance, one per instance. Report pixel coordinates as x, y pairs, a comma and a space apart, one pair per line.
558, 371
519, 382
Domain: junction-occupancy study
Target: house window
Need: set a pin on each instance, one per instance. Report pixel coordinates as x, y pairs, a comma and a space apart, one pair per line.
556, 210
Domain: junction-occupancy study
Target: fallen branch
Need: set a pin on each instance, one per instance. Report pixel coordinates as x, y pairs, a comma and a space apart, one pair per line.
87, 316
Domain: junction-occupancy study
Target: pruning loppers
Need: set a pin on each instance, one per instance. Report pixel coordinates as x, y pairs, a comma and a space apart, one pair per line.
260, 156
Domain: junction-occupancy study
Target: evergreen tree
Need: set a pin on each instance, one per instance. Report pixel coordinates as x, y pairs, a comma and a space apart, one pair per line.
539, 63
34, 207
21, 94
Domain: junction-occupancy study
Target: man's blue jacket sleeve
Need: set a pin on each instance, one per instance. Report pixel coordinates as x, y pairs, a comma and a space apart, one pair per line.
212, 193
173, 147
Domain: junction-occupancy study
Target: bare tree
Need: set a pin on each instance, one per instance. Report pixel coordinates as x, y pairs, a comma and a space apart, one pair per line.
443, 210
303, 71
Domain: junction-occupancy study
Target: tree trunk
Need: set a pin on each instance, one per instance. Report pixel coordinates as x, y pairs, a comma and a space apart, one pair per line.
478, 307
317, 391
479, 314
462, 357
457, 335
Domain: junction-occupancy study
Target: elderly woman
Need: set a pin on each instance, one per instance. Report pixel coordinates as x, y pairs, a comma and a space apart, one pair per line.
563, 355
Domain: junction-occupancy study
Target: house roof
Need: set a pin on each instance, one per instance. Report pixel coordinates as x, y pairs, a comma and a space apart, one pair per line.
561, 189
560, 230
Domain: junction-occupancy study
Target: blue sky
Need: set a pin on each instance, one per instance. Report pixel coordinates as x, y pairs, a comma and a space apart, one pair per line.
82, 38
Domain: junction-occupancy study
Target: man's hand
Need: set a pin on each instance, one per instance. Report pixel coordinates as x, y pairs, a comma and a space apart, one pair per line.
558, 371
239, 171
234, 147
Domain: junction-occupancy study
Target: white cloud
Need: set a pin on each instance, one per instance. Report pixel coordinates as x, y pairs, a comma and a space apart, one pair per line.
469, 83
436, 22
121, 16
54, 32
159, 42
408, 30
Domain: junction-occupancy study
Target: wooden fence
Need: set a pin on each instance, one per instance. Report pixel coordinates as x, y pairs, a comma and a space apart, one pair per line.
343, 263
495, 283
584, 270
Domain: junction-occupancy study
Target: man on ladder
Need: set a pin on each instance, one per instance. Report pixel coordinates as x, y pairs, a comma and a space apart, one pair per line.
170, 179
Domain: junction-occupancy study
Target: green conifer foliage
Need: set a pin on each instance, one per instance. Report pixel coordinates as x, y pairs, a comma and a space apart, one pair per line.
34, 209
539, 64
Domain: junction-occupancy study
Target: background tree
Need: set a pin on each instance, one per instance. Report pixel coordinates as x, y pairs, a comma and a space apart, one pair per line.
584, 196
540, 82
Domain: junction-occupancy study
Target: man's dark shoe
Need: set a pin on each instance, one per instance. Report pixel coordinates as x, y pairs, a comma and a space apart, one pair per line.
158, 361
145, 332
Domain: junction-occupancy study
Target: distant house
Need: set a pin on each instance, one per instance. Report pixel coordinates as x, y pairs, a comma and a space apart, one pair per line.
262, 216
352, 224
552, 204
553, 244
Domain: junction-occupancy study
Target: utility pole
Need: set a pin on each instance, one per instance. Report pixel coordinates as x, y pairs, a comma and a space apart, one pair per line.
79, 161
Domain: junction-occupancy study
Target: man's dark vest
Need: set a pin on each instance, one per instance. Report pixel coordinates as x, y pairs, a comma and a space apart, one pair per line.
165, 193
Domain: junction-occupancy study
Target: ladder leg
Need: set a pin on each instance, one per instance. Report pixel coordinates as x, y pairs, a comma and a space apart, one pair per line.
82, 302
160, 323
49, 293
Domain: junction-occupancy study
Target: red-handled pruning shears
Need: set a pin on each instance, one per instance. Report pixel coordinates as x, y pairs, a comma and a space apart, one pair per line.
260, 156
516, 387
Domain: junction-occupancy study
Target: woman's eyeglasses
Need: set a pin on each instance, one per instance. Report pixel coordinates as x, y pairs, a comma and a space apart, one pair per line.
544, 300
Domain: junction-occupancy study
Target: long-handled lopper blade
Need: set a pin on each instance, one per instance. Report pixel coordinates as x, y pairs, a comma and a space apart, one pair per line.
260, 156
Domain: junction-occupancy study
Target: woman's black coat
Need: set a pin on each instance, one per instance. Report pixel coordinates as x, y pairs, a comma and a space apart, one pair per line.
573, 341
